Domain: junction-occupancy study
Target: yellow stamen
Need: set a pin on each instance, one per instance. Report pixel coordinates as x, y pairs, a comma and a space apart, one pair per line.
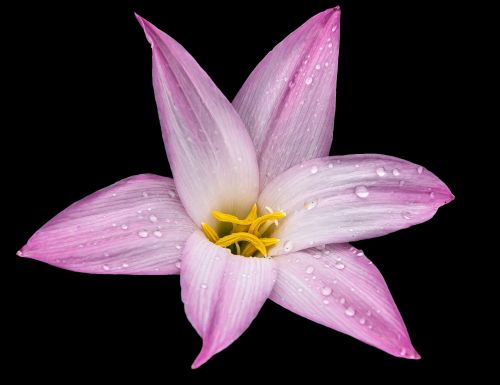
248, 231
228, 240
250, 249
254, 227
222, 217
209, 232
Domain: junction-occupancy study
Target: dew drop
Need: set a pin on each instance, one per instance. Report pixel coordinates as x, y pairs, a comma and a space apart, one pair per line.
318, 66
380, 171
153, 218
105, 267
361, 191
339, 266
329, 45
330, 165
362, 320
113, 195
420, 169
334, 28
342, 300
326, 291
432, 195
309, 80
125, 265
396, 172
402, 352
314, 170
178, 265
142, 234
158, 234
124, 227
178, 247
287, 246
350, 311
406, 215
203, 286
317, 256
309, 269
300, 290
326, 302
310, 204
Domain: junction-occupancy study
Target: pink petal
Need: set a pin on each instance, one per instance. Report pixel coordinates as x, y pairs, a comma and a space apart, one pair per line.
135, 226
222, 292
346, 198
210, 152
339, 287
288, 102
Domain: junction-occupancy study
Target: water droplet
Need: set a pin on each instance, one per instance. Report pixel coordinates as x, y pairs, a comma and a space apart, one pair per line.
105, 267
432, 195
171, 193
339, 265
113, 195
360, 253
300, 290
178, 247
113, 224
145, 194
309, 269
203, 286
406, 215
125, 265
420, 169
143, 233
396, 172
310, 204
350, 311
330, 165
326, 291
361, 191
334, 28
402, 352
157, 234
318, 66
342, 300
309, 80
327, 64
380, 171
314, 170
329, 45
362, 320
178, 265
153, 218
317, 256
287, 246
124, 227
326, 302
106, 254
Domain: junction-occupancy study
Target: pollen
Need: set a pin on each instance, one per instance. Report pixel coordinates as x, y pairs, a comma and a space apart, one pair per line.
249, 237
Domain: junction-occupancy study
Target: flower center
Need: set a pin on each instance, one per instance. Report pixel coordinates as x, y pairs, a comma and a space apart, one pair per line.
245, 237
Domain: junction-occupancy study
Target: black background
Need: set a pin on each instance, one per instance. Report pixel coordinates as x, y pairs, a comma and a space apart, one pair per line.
87, 118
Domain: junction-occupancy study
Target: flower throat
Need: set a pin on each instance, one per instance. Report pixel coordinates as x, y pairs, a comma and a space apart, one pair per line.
247, 236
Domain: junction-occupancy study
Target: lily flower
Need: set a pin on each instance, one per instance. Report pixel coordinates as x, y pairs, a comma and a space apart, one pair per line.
257, 209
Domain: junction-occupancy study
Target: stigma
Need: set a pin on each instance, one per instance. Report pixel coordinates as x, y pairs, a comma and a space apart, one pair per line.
248, 237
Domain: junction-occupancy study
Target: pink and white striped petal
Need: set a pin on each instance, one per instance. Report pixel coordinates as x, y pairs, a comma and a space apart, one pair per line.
222, 292
347, 198
135, 226
288, 102
337, 286
210, 152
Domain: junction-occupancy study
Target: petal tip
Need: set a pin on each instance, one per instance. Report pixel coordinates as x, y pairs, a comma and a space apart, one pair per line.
203, 357
20, 252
